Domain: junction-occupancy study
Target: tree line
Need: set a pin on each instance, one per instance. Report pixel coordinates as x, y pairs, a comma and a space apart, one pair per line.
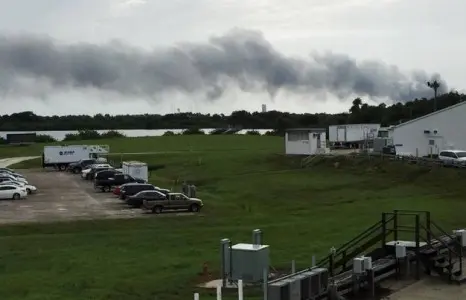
359, 112
89, 134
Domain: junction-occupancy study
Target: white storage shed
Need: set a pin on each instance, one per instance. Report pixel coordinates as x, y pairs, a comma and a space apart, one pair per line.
352, 133
429, 134
136, 169
305, 141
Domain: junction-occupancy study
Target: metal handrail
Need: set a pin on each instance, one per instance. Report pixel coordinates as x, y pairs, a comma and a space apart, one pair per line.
443, 231
355, 241
438, 239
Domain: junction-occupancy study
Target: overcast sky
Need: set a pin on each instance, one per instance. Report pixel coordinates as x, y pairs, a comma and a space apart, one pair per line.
314, 55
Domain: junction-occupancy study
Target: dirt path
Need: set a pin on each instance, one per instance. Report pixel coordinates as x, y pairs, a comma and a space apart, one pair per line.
5, 162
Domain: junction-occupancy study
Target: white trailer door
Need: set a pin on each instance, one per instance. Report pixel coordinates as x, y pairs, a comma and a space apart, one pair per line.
341, 134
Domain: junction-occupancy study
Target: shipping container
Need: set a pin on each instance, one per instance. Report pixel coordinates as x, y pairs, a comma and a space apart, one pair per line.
352, 133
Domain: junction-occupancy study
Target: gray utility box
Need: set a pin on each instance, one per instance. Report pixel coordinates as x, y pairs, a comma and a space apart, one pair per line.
249, 262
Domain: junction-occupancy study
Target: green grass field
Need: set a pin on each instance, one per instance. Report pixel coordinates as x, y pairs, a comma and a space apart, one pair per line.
246, 183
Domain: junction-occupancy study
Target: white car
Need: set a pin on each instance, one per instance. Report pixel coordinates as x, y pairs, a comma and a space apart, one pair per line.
7, 177
10, 191
15, 176
453, 157
29, 188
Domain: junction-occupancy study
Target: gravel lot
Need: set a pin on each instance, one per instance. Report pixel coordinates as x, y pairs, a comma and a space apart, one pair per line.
63, 196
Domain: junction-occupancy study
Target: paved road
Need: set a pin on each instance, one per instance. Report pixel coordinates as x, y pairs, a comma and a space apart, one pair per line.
5, 162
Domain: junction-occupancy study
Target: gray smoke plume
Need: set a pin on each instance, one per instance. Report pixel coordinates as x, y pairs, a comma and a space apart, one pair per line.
239, 58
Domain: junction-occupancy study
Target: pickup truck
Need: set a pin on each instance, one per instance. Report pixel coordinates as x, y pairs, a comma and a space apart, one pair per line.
106, 184
172, 201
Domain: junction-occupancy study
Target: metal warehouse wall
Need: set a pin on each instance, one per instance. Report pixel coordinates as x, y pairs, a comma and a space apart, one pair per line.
450, 125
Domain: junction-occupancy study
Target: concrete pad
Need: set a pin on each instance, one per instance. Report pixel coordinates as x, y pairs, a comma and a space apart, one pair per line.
430, 289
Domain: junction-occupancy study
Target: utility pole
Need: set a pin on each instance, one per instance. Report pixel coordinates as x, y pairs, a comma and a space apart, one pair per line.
434, 85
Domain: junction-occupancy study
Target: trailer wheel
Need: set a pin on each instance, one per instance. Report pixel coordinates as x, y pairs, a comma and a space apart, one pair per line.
76, 170
106, 188
62, 167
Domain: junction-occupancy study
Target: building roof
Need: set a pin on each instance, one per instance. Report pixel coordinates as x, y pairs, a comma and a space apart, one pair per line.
307, 129
431, 114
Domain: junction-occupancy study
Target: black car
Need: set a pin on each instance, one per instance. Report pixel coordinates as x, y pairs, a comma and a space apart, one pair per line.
77, 167
105, 174
93, 171
134, 188
106, 184
137, 199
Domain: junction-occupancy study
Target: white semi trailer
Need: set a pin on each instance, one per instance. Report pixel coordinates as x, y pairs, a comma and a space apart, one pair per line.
60, 157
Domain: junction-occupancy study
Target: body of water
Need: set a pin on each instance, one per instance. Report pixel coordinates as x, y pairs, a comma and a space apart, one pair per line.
60, 134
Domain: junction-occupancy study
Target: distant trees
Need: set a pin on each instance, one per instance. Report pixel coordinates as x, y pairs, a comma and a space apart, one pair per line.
92, 135
358, 112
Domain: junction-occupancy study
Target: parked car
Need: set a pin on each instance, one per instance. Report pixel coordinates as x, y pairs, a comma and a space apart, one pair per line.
453, 157
137, 199
10, 191
7, 177
14, 176
105, 174
30, 189
131, 189
77, 167
88, 174
116, 179
116, 190
88, 169
172, 201
12, 173
7, 170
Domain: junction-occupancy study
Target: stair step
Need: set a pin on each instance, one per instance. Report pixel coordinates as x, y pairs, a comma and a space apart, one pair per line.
460, 279
444, 264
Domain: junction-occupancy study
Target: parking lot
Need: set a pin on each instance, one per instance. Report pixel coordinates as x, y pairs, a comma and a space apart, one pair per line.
63, 196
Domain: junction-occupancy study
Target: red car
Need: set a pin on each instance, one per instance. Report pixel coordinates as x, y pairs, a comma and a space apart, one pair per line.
116, 190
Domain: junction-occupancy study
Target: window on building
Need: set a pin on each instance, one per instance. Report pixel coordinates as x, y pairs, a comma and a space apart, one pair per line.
382, 134
294, 136
431, 142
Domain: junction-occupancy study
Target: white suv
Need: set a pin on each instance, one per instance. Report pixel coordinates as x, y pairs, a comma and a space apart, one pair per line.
453, 157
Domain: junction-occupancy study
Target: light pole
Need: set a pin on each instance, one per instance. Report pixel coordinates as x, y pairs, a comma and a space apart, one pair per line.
434, 85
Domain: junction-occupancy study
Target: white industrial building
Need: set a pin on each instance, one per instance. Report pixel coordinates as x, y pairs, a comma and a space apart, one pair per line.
352, 133
305, 141
429, 134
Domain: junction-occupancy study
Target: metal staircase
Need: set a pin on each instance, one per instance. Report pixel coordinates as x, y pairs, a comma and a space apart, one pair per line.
430, 250
433, 250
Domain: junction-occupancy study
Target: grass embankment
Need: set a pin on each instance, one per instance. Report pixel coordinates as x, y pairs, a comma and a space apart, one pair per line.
301, 212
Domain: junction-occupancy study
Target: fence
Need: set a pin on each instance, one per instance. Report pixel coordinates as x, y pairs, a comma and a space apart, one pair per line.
421, 161
411, 159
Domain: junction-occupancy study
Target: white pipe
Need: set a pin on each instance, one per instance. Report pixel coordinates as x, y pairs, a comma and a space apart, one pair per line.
196, 296
219, 292
240, 290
